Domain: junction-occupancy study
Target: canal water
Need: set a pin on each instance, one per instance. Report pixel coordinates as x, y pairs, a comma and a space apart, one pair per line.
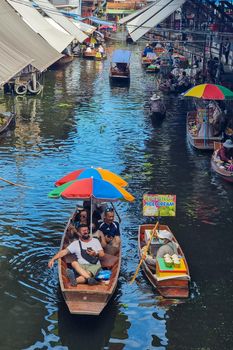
81, 121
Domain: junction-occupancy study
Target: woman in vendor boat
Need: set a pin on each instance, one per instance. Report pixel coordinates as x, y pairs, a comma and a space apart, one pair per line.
167, 246
226, 152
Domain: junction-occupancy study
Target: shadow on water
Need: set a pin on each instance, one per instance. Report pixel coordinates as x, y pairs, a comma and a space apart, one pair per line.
90, 332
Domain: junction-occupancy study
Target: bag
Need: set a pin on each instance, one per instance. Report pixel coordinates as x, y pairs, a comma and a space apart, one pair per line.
103, 275
91, 259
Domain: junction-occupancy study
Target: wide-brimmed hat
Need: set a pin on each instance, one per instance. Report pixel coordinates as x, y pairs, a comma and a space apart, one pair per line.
228, 144
155, 97
164, 234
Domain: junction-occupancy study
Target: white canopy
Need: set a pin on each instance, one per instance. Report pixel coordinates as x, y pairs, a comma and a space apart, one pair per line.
157, 13
128, 18
11, 62
86, 28
17, 35
62, 20
59, 41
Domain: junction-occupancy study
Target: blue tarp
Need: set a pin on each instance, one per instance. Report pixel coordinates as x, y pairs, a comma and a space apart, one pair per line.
72, 15
121, 56
100, 21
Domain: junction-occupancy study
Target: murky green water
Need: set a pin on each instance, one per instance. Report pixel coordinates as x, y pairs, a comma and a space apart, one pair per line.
78, 122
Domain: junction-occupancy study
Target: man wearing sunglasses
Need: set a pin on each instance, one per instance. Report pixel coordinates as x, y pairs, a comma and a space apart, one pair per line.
110, 233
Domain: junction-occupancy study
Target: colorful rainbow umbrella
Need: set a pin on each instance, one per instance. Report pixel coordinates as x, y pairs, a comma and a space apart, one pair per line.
96, 173
91, 188
209, 92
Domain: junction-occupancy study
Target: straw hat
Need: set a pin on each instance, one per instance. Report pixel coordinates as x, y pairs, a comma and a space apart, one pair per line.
155, 97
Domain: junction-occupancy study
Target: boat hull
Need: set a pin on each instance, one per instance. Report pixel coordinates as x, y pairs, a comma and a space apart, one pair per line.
223, 173
9, 124
84, 299
172, 287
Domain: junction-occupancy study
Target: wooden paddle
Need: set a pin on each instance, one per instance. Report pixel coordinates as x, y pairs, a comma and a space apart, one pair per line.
12, 183
144, 253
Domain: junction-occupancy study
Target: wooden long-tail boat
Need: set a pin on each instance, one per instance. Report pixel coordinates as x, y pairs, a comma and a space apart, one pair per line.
120, 66
170, 283
199, 142
85, 299
8, 122
225, 171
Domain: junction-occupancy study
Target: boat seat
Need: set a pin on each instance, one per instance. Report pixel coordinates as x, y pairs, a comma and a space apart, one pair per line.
108, 261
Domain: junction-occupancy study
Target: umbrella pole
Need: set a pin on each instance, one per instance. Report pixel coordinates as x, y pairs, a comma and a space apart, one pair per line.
91, 217
116, 212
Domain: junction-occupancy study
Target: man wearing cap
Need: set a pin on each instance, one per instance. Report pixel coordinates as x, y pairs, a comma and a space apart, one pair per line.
109, 233
226, 152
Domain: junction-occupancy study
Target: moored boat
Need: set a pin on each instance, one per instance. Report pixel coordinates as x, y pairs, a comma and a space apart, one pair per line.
170, 282
225, 171
85, 299
204, 140
7, 122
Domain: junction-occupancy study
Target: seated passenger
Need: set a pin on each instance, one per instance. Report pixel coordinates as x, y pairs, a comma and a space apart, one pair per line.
88, 251
88, 49
226, 152
81, 217
109, 233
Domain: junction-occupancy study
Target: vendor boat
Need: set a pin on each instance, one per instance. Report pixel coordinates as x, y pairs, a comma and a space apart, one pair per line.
85, 299
224, 170
171, 282
7, 122
203, 142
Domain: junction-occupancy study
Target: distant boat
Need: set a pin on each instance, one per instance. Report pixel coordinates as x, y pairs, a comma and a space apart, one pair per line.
200, 142
170, 282
219, 167
7, 120
120, 66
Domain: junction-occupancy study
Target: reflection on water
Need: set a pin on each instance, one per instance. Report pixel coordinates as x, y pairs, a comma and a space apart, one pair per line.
80, 120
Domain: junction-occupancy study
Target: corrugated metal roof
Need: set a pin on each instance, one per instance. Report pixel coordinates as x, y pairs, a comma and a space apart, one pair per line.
11, 62
135, 14
59, 41
17, 35
152, 17
63, 21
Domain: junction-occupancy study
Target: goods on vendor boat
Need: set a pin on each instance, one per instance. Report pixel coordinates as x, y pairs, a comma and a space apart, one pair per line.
85, 299
171, 278
199, 133
224, 170
7, 122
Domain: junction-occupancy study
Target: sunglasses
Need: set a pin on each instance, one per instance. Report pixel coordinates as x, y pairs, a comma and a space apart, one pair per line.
109, 210
83, 216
